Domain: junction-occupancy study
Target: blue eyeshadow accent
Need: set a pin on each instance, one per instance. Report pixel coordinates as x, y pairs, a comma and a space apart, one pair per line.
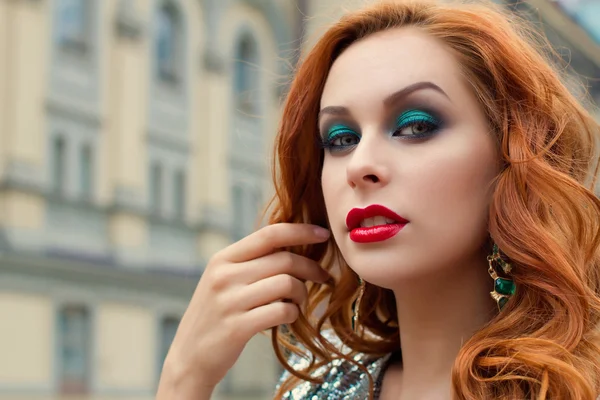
415, 116
337, 130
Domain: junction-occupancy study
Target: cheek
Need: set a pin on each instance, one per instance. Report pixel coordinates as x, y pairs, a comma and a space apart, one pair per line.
327, 182
454, 186
333, 185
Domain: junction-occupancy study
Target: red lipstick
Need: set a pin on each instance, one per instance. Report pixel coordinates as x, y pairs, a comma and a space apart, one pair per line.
376, 233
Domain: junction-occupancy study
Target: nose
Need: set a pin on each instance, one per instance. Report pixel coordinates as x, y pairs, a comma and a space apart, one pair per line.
367, 166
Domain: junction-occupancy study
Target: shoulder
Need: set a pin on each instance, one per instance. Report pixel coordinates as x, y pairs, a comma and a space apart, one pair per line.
342, 379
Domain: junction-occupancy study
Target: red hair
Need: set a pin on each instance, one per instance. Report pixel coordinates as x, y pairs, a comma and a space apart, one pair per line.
543, 215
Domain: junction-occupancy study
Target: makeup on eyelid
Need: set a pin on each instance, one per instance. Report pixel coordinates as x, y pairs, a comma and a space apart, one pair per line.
415, 116
407, 119
338, 129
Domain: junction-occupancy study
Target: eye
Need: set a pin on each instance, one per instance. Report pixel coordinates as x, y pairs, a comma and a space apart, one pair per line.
416, 123
345, 140
340, 137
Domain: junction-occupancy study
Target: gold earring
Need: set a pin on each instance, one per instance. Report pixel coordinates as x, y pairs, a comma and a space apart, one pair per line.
356, 305
504, 288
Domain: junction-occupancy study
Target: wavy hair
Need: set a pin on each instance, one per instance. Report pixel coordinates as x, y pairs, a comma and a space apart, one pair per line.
543, 215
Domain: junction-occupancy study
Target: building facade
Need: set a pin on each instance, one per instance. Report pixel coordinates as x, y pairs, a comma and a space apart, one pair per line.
134, 144
135, 139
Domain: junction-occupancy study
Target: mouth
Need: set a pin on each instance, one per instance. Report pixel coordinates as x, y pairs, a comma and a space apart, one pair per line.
373, 224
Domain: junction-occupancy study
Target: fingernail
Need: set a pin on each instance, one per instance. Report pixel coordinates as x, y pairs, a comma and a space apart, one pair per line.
321, 232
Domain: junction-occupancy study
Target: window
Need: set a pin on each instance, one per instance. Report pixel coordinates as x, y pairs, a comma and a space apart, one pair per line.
58, 165
254, 207
86, 172
246, 77
74, 349
156, 188
179, 193
73, 24
168, 44
588, 16
585, 13
168, 328
237, 200
246, 203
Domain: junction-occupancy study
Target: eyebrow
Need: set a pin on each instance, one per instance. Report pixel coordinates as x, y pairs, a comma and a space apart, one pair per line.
393, 98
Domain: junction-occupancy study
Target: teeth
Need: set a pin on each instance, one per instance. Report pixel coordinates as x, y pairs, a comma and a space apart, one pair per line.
376, 221
367, 222
379, 220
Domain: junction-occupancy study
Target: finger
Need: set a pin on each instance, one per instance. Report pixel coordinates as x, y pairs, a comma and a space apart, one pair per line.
268, 316
281, 262
273, 237
274, 288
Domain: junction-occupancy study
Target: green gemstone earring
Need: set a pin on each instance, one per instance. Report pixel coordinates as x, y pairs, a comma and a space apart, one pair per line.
504, 288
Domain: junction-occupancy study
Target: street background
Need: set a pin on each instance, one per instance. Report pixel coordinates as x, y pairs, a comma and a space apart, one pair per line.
135, 141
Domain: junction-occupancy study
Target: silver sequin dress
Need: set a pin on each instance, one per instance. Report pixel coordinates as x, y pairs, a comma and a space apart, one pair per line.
342, 380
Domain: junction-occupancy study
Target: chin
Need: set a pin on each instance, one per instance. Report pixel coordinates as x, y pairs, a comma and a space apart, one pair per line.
385, 267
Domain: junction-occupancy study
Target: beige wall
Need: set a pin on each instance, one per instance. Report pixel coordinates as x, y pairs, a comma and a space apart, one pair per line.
125, 332
324, 13
124, 335
21, 210
4, 86
22, 87
126, 102
27, 61
26, 340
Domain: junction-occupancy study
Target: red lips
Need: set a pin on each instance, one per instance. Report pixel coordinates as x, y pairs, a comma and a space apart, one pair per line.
374, 233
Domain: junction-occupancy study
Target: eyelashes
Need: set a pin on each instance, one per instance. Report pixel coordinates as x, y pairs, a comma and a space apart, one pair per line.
410, 125
416, 123
340, 136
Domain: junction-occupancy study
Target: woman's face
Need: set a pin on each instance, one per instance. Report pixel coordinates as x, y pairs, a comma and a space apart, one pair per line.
409, 159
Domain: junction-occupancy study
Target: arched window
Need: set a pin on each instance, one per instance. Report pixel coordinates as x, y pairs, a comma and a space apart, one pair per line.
73, 24
168, 44
246, 73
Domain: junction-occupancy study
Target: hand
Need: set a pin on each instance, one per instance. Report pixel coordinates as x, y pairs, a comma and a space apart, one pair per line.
240, 294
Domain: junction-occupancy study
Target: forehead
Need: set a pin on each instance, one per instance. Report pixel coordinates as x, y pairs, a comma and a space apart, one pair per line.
384, 62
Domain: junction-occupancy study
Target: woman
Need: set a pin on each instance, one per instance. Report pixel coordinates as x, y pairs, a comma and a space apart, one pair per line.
448, 161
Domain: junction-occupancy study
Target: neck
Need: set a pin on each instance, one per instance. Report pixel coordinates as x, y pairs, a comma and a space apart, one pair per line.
437, 315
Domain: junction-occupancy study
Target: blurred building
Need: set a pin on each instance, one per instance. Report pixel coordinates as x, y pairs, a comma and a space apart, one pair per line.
135, 141
586, 13
573, 28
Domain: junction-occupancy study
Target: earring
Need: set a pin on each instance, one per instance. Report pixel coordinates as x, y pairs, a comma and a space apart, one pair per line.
504, 288
356, 305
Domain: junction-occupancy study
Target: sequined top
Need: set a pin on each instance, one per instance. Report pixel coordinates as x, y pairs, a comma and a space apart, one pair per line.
342, 379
